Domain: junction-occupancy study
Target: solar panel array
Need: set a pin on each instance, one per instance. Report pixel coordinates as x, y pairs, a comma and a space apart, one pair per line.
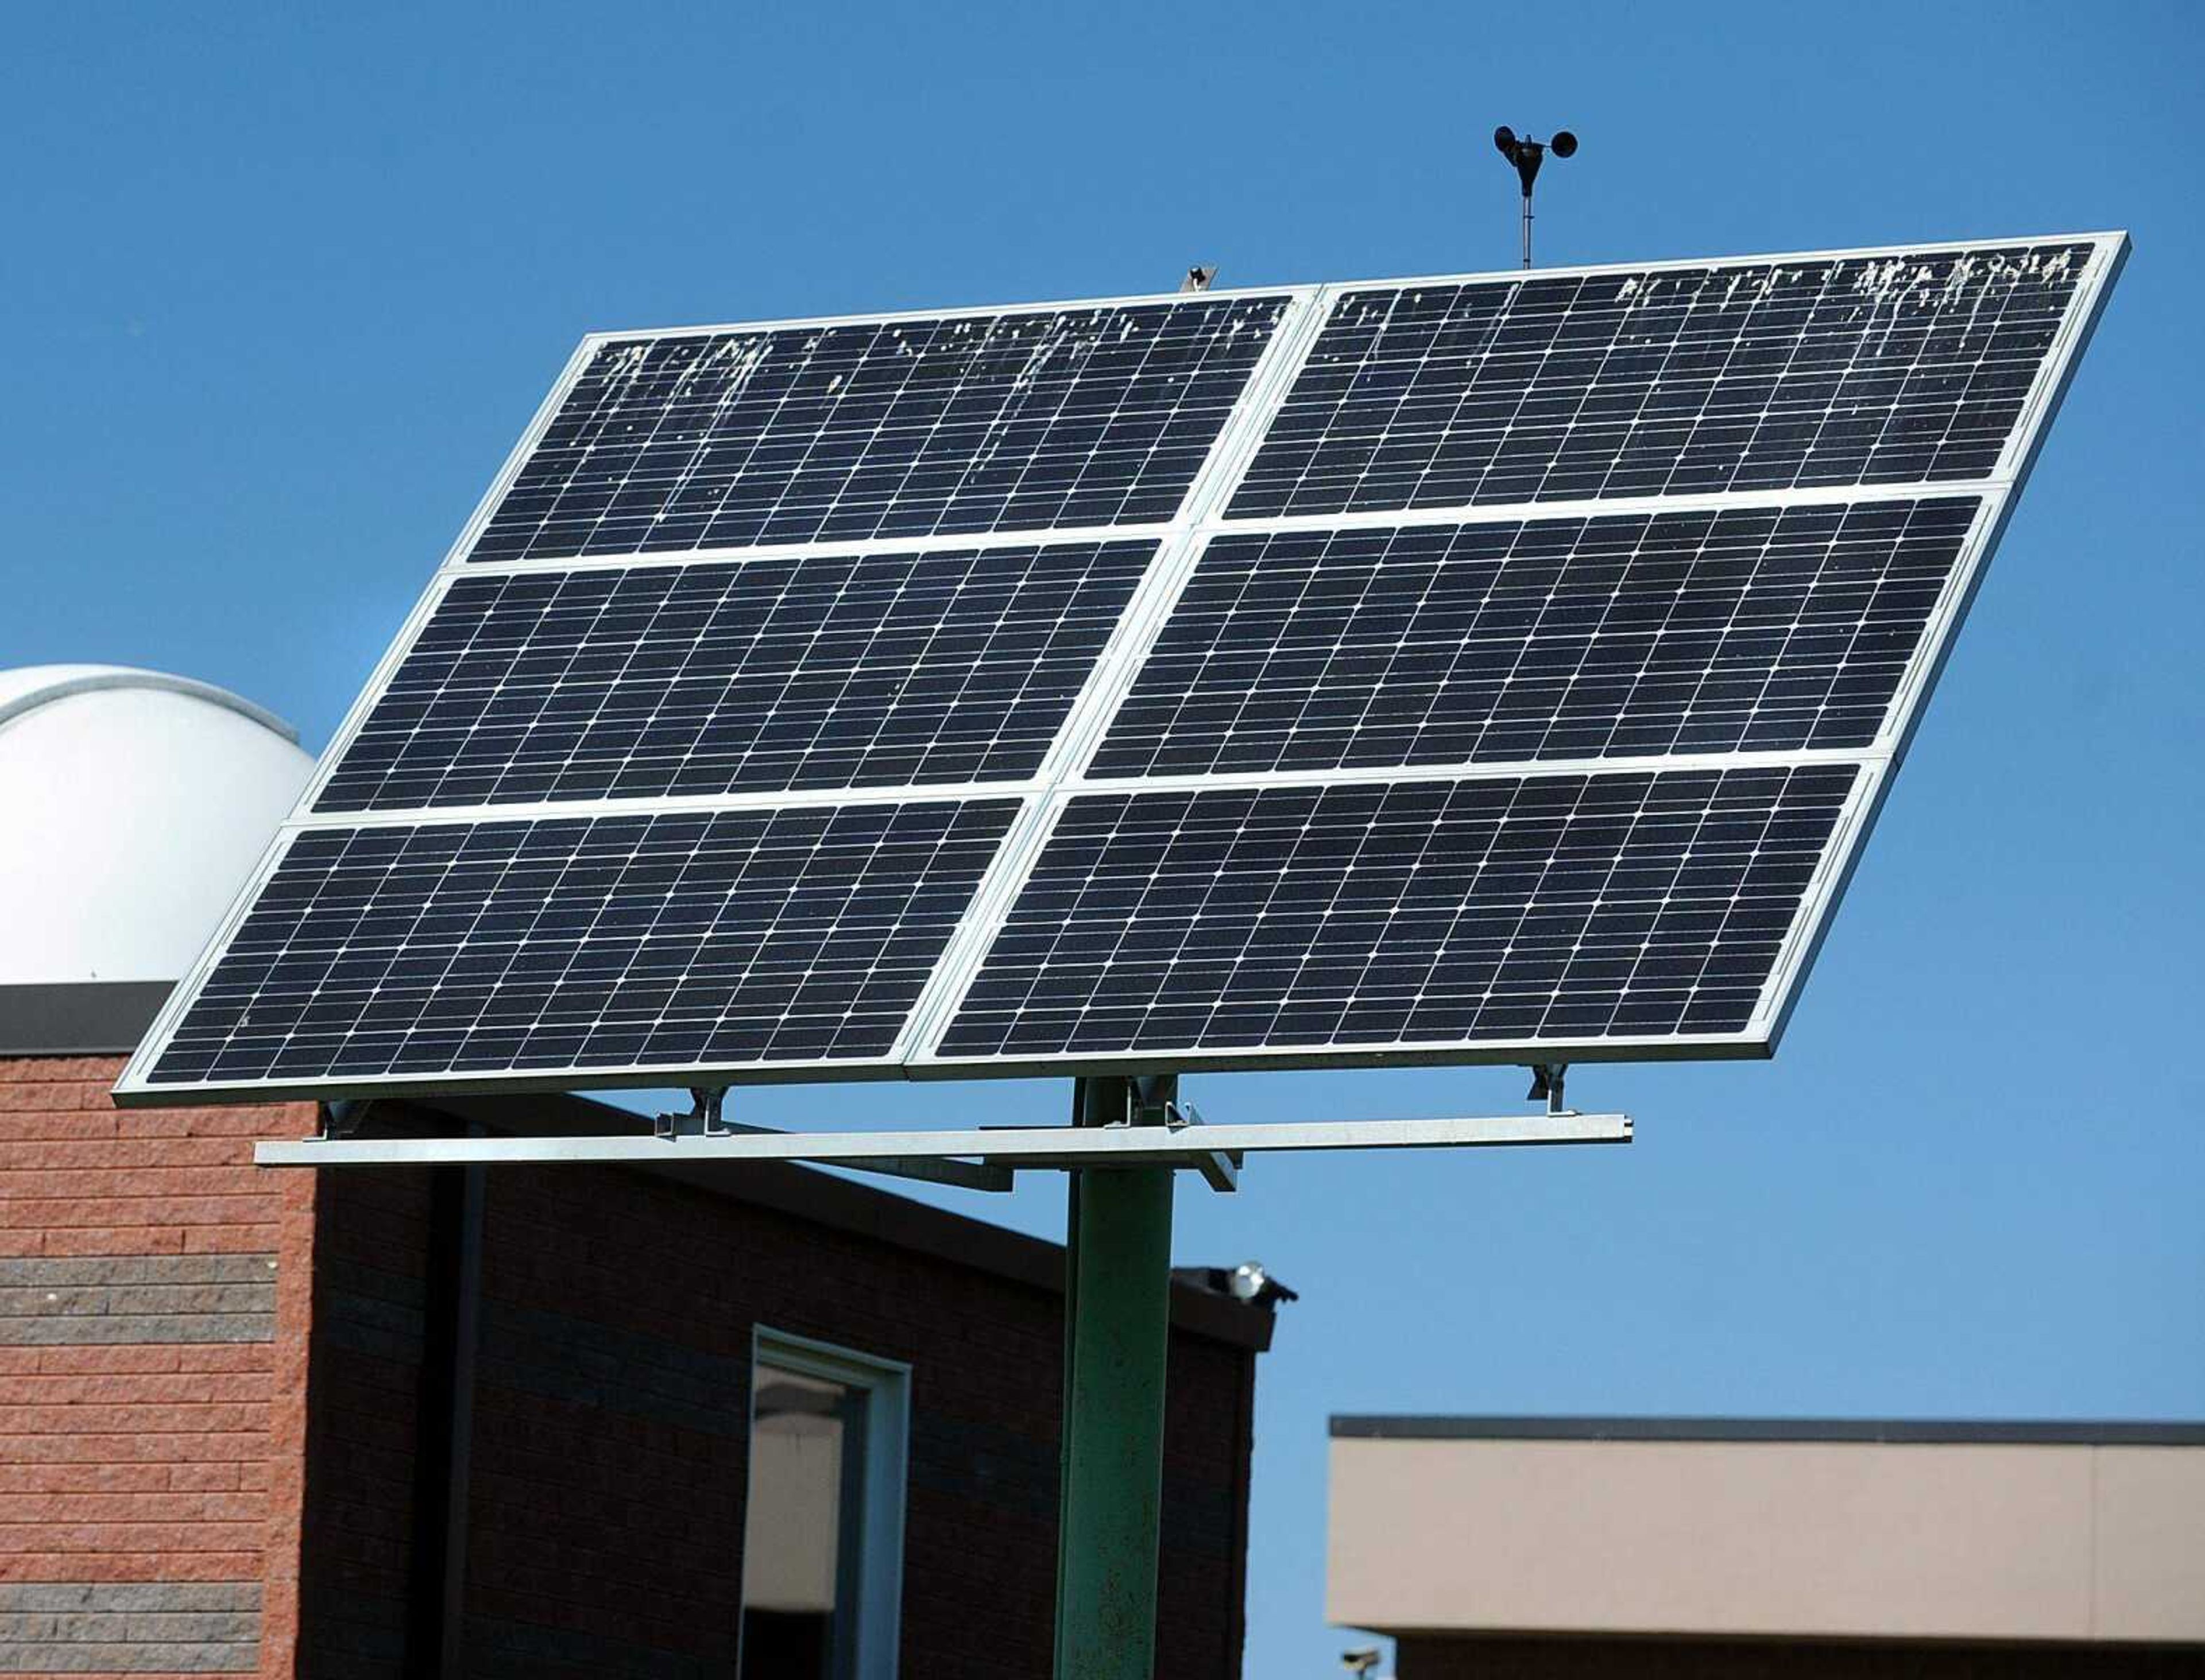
1481, 668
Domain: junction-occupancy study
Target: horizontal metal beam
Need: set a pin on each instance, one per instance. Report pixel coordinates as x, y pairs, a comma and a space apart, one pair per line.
927, 1169
1014, 1147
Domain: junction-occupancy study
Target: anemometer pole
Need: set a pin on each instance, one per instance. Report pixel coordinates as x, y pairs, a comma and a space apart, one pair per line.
1117, 1336
1527, 154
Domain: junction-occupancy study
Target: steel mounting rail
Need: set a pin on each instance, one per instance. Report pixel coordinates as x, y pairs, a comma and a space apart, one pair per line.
1012, 1148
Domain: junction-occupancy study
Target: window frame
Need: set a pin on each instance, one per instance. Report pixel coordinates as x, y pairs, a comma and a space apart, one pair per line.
887, 1383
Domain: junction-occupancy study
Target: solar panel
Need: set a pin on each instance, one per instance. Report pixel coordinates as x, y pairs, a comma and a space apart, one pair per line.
1484, 669
1893, 368
1261, 921
793, 935
1738, 629
805, 671
1019, 421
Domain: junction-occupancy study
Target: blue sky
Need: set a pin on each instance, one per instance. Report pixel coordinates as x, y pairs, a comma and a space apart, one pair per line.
284, 288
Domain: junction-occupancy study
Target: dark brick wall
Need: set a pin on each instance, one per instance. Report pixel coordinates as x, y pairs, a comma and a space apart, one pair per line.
606, 1459
371, 1263
154, 1296
611, 1412
1437, 1658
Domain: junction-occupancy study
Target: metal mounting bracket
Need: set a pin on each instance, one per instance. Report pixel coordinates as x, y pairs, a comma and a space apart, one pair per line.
1220, 1168
1154, 1128
982, 1159
1152, 1100
341, 1117
703, 1120
1547, 1081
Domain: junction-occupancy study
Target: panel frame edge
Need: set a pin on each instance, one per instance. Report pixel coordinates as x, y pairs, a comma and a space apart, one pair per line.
2000, 494
1200, 517
1081, 735
134, 1087
1996, 494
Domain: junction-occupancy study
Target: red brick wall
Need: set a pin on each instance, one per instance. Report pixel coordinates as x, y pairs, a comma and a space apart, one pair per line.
190, 1483
154, 1294
611, 1420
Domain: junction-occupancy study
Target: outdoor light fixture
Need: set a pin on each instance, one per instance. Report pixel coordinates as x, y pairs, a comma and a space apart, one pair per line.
1249, 1281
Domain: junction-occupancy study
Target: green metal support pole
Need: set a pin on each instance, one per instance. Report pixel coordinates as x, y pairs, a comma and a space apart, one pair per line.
1118, 1310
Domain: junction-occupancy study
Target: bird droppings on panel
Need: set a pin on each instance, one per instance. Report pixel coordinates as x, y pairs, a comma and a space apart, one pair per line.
1755, 375
1018, 421
1518, 784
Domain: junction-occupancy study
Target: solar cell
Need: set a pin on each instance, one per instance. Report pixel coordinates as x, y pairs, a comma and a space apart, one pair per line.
1202, 923
1759, 375
817, 671
1205, 681
1747, 629
1019, 421
802, 934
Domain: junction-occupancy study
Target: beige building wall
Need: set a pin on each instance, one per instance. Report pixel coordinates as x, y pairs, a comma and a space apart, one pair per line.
1814, 1538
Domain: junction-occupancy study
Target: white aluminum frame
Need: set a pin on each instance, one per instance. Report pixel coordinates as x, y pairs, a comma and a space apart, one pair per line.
1062, 775
1013, 1147
1995, 494
134, 1086
887, 1383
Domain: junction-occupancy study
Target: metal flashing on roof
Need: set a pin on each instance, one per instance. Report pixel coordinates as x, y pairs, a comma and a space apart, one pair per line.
1889, 1431
69, 680
78, 1018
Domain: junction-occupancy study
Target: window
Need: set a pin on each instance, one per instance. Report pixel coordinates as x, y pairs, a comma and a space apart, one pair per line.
823, 1529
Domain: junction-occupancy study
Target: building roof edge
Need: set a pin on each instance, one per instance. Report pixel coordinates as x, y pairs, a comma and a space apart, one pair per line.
2103, 1431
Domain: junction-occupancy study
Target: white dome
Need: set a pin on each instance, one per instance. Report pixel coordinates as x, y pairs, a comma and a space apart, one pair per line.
135, 805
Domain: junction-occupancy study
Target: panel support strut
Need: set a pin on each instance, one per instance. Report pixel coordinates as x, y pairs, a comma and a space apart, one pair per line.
1117, 1292
1129, 1138
1005, 1150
